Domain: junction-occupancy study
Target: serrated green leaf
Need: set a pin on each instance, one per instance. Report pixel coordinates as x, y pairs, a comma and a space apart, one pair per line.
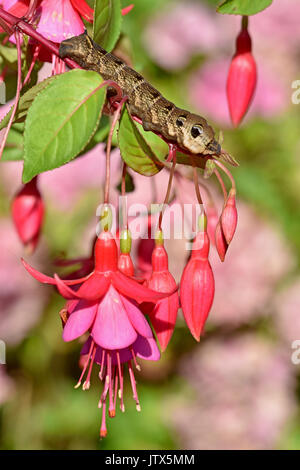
243, 7
14, 149
25, 102
107, 23
61, 121
135, 151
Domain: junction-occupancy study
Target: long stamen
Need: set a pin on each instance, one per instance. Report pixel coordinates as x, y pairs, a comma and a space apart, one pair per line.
110, 387
121, 376
85, 365
104, 393
116, 388
101, 375
137, 366
87, 382
103, 429
133, 386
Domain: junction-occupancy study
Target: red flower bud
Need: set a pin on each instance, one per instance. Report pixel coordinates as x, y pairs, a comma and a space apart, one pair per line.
125, 264
229, 217
197, 286
241, 81
144, 252
221, 243
163, 314
28, 213
212, 220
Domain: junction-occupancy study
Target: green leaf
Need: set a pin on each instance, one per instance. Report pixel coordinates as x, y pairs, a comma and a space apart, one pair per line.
134, 149
61, 121
100, 134
243, 7
107, 23
25, 102
14, 145
9, 53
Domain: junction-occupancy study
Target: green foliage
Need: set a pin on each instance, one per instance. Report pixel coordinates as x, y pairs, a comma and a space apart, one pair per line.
134, 149
243, 7
25, 102
61, 121
107, 23
14, 145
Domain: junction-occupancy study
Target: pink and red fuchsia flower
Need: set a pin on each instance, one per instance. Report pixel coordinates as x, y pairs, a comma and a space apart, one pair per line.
105, 303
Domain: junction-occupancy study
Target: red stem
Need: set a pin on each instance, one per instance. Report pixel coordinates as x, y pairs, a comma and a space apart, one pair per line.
19, 86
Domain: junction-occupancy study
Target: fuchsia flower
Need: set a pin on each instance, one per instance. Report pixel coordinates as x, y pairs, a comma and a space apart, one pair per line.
164, 313
241, 81
28, 214
197, 285
61, 19
105, 303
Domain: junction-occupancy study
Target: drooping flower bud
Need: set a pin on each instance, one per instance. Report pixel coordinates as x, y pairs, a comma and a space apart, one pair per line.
229, 217
220, 242
125, 264
144, 252
212, 220
197, 285
28, 214
242, 77
162, 315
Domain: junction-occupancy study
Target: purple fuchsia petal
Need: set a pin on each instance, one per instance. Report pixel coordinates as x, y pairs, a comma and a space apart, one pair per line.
80, 320
134, 290
59, 20
112, 328
136, 318
146, 348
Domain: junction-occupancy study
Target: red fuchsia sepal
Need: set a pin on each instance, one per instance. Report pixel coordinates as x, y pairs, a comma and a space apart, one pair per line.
164, 313
105, 273
242, 77
197, 284
28, 214
229, 217
220, 241
83, 9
